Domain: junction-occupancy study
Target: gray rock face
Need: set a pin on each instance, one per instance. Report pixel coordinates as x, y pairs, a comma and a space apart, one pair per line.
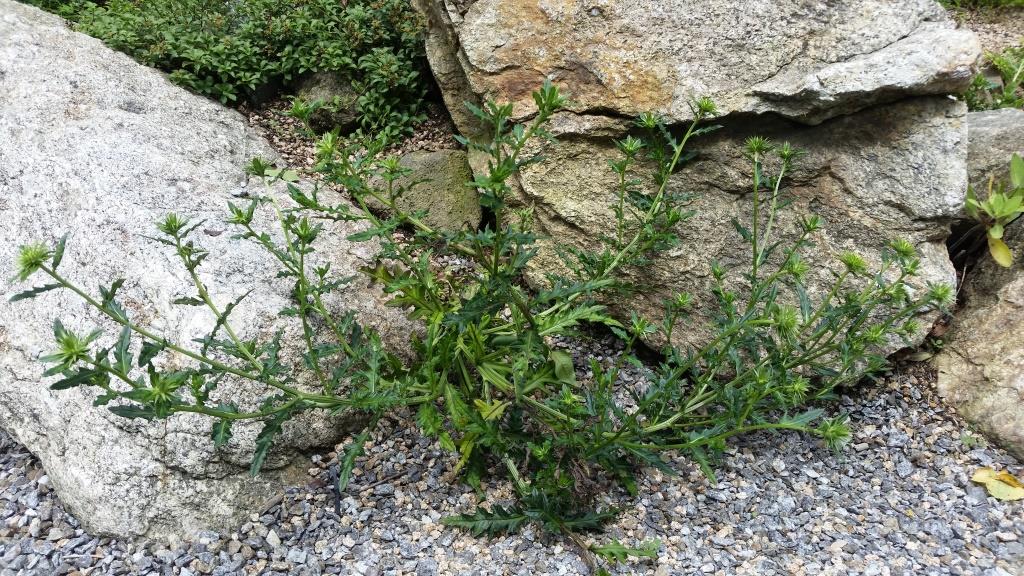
852, 82
981, 369
995, 135
107, 148
337, 98
892, 172
804, 60
437, 183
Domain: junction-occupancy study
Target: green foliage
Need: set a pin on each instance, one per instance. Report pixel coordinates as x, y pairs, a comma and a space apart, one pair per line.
974, 4
488, 381
1008, 91
972, 441
232, 50
1002, 206
617, 552
66, 8
498, 521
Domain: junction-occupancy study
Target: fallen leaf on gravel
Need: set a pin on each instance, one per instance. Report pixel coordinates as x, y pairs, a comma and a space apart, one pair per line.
1002, 485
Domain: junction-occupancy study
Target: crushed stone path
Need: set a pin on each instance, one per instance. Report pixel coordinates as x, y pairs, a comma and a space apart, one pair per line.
897, 501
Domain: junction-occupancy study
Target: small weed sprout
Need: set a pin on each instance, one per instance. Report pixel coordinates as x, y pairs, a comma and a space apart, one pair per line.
1003, 205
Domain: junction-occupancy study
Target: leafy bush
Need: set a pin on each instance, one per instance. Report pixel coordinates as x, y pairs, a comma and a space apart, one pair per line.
488, 381
66, 8
965, 4
1008, 92
231, 50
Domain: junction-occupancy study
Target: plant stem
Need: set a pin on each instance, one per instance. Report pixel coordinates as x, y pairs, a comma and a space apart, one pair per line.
183, 351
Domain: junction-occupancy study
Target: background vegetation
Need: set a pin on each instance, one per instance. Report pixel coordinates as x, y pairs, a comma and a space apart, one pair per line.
249, 49
982, 3
1003, 87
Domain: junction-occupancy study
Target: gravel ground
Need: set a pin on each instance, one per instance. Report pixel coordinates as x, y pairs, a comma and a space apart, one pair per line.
298, 149
898, 500
998, 28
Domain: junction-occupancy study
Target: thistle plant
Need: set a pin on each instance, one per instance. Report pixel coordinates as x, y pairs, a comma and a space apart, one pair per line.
488, 381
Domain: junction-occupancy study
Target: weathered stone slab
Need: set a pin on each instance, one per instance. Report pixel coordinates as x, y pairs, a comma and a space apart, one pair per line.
807, 61
860, 85
896, 171
437, 183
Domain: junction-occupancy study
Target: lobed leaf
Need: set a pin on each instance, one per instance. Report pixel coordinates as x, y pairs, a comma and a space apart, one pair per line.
498, 521
32, 293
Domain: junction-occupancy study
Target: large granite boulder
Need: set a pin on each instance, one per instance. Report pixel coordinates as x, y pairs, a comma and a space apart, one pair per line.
890, 172
860, 85
981, 368
98, 146
995, 136
803, 60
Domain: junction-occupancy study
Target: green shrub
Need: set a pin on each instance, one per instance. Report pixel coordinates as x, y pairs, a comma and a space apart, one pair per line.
1008, 91
488, 381
966, 4
231, 50
66, 8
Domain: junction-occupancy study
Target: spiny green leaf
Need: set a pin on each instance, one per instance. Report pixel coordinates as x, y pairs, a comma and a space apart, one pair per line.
32, 293
446, 442
705, 466
82, 376
368, 234
498, 521
58, 253
149, 351
652, 459
222, 320
221, 432
265, 439
352, 451
104, 399
134, 411
564, 369
491, 410
109, 293
558, 323
122, 355
429, 419
590, 521
618, 552
804, 418
188, 301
